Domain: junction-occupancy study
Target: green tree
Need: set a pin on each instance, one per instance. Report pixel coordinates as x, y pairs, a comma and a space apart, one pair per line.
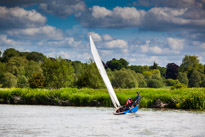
141, 80
124, 78
182, 77
8, 53
189, 63
117, 64
154, 66
35, 56
154, 83
33, 67
16, 65
138, 69
22, 81
9, 80
90, 77
58, 73
195, 79
2, 71
171, 82
37, 81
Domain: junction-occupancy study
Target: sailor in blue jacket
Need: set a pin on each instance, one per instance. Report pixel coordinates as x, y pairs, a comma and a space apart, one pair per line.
137, 100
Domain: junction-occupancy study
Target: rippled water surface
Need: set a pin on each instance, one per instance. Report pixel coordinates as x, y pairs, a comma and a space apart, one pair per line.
50, 121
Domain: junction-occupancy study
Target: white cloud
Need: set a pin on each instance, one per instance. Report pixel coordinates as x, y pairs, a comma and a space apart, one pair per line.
5, 41
175, 44
96, 37
48, 32
67, 41
100, 12
20, 18
116, 44
63, 8
202, 46
107, 37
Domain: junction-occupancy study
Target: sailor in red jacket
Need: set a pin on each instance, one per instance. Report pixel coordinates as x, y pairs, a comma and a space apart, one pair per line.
128, 103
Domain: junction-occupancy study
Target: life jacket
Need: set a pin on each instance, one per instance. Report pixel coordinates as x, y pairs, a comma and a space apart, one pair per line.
129, 103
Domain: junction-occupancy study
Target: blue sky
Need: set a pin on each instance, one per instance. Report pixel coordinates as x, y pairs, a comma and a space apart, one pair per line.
141, 31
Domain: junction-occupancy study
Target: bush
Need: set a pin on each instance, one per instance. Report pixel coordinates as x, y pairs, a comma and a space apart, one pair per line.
171, 82
179, 85
37, 81
153, 83
202, 83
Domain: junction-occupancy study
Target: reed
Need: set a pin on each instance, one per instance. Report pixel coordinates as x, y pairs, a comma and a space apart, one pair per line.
187, 98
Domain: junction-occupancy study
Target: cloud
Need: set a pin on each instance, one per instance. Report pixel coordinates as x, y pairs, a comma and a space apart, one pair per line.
107, 37
62, 8
169, 3
155, 19
96, 37
202, 46
65, 42
19, 18
19, 3
175, 44
116, 44
44, 32
6, 41
100, 12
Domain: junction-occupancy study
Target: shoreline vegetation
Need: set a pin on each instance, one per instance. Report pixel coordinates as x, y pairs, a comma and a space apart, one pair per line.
186, 98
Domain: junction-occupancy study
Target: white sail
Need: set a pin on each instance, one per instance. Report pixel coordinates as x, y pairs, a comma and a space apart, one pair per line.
103, 73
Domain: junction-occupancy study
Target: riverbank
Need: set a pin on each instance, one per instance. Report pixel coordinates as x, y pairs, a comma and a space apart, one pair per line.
189, 98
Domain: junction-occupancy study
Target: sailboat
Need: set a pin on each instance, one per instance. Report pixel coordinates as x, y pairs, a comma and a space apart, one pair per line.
106, 80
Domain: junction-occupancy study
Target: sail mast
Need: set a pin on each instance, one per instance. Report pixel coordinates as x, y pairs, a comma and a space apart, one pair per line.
103, 73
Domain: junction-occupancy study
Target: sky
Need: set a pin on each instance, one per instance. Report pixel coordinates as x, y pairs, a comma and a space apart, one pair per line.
140, 31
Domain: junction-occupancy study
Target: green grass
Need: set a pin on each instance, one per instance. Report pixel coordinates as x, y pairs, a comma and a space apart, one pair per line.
188, 98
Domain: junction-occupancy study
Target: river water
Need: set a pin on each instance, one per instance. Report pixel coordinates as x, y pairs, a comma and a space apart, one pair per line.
55, 121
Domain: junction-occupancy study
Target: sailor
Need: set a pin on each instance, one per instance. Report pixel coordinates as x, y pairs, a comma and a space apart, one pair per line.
129, 103
137, 100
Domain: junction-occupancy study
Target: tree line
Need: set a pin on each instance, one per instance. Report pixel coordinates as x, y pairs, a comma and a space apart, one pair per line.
35, 70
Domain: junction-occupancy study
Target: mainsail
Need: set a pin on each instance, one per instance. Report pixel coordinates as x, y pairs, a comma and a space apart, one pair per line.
103, 73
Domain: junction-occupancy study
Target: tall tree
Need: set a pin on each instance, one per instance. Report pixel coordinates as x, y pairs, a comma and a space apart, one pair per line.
172, 71
182, 77
90, 77
58, 73
195, 78
9, 80
189, 63
154, 66
35, 56
8, 53
117, 64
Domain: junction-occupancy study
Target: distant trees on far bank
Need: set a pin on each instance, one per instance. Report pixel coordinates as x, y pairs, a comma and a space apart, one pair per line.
35, 70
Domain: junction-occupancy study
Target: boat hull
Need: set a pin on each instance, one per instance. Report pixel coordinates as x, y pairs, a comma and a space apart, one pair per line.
133, 110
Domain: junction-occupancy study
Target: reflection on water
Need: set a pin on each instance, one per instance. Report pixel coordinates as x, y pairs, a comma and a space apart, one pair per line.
26, 120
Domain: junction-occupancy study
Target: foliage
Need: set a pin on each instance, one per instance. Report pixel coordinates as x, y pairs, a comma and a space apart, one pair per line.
37, 81
8, 53
35, 56
124, 78
154, 83
172, 71
188, 98
189, 63
90, 77
178, 85
115, 64
195, 79
171, 82
138, 69
182, 77
58, 73
9, 80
